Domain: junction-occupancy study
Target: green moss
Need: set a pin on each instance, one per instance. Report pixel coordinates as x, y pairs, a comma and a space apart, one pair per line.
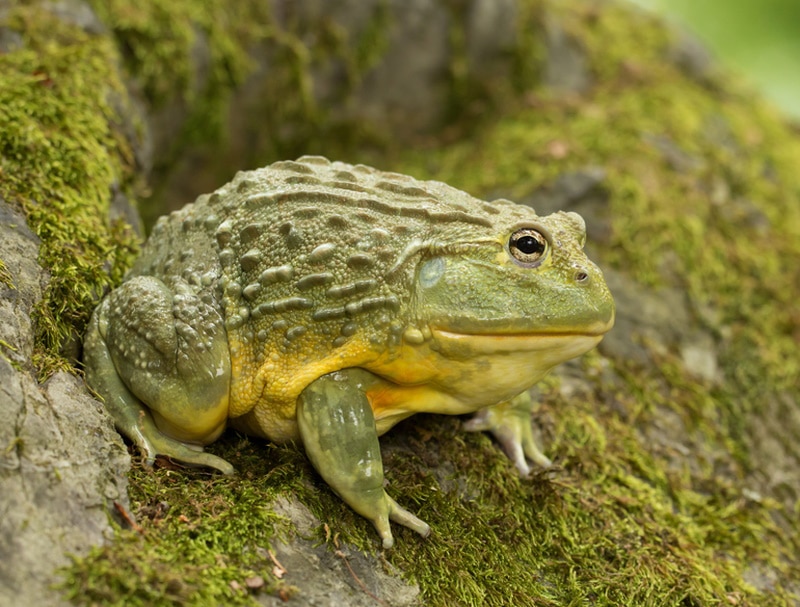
193, 54
186, 57
60, 157
4, 345
5, 276
611, 525
202, 535
164, 48
202, 538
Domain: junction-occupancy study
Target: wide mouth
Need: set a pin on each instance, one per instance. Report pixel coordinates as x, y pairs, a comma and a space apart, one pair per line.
579, 339
591, 322
597, 328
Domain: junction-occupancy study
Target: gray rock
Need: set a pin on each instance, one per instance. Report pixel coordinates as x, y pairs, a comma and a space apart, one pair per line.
689, 53
403, 94
675, 156
76, 12
581, 191
657, 321
330, 579
566, 69
62, 465
9, 40
699, 355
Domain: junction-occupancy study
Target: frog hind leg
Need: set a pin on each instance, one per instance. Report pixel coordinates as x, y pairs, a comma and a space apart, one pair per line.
510, 423
134, 354
338, 431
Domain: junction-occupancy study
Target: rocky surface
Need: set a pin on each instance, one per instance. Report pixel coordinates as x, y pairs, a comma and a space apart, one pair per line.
63, 468
339, 577
62, 465
394, 73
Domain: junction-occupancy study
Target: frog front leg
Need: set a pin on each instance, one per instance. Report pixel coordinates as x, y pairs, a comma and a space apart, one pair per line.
510, 423
159, 359
338, 431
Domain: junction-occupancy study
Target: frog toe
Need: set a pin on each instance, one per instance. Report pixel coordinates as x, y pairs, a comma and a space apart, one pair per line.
192, 456
403, 517
153, 443
510, 424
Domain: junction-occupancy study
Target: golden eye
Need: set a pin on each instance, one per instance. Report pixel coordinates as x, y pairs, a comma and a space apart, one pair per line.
527, 246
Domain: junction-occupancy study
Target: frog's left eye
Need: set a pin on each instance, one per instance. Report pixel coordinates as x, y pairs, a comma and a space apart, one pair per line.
527, 246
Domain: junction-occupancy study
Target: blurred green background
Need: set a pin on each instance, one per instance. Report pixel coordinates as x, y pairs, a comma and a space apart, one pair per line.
758, 38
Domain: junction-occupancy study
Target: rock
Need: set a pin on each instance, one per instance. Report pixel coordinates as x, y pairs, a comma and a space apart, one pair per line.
403, 45
581, 191
566, 69
694, 58
62, 465
326, 578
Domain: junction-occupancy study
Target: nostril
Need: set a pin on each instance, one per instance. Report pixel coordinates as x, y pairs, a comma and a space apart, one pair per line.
581, 277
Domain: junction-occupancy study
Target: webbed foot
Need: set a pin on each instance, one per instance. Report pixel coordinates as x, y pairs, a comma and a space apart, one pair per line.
338, 431
510, 424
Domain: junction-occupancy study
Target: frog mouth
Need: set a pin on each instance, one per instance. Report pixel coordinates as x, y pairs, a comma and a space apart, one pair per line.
470, 344
567, 341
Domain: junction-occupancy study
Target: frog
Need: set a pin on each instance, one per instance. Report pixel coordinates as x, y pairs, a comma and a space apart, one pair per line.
321, 303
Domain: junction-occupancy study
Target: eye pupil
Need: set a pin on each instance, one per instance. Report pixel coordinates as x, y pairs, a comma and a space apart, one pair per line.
527, 246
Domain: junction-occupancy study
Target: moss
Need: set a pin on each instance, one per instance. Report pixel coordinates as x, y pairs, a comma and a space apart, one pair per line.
193, 54
4, 345
165, 45
220, 526
476, 96
609, 526
60, 157
5, 276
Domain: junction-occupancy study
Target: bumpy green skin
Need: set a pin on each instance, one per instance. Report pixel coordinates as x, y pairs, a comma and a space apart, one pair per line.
326, 302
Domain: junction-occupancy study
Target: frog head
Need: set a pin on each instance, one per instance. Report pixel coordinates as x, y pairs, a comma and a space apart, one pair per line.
500, 307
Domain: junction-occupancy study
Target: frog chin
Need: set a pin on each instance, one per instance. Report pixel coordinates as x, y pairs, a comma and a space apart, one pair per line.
485, 369
529, 356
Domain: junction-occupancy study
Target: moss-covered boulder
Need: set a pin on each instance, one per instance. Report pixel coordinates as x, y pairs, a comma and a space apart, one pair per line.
677, 473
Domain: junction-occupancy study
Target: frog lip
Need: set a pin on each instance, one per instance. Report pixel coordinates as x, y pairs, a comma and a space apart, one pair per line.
569, 342
555, 347
553, 336
595, 329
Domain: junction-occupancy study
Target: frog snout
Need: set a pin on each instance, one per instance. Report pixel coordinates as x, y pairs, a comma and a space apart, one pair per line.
587, 278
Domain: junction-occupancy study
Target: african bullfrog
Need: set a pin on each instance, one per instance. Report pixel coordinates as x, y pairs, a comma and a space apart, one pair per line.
321, 302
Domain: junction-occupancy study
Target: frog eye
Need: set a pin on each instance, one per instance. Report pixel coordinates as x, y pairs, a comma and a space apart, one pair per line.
527, 246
